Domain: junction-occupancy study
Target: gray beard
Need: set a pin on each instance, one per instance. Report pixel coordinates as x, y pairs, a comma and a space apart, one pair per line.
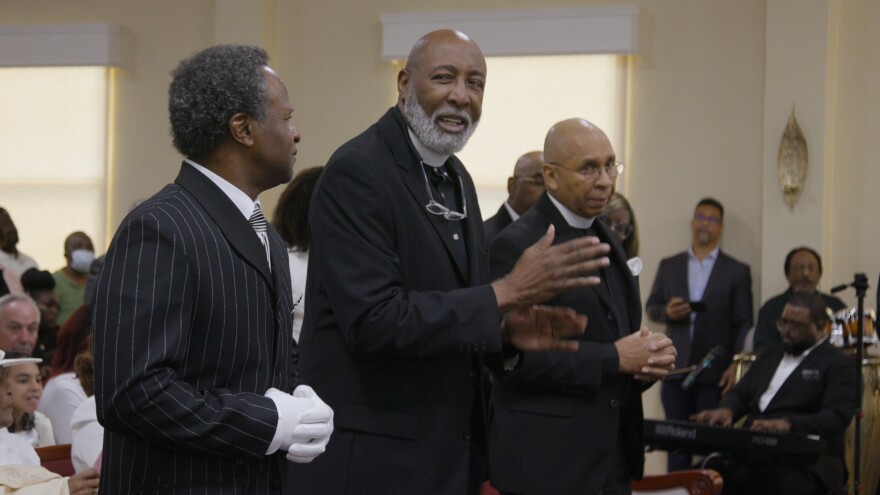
431, 136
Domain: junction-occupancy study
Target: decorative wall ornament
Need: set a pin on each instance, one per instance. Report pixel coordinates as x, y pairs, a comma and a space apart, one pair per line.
793, 161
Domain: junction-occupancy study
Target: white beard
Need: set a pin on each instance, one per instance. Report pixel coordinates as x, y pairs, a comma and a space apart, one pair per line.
430, 134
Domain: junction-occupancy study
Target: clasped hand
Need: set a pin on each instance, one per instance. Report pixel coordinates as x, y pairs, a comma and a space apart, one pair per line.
646, 355
306, 423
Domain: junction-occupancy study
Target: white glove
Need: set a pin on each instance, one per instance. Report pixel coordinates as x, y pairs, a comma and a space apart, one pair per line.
310, 437
290, 410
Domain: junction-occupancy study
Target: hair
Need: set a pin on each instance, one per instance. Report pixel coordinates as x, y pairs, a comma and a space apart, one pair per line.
27, 419
711, 202
11, 298
210, 87
795, 251
73, 339
36, 281
814, 303
83, 365
292, 212
631, 243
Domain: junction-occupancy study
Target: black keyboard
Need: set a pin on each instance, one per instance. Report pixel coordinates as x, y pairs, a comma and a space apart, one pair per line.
701, 439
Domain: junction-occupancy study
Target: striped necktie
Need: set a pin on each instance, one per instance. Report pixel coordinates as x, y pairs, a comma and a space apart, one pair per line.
258, 222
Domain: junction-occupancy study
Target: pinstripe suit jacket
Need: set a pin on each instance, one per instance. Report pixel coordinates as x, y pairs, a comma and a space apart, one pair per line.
191, 328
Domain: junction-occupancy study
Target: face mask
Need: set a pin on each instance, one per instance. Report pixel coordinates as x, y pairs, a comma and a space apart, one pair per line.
81, 260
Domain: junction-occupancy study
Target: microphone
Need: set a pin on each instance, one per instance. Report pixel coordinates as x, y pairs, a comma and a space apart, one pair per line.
838, 288
705, 364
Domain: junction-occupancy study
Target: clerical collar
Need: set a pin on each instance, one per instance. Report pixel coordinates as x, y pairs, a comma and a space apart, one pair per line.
571, 218
429, 157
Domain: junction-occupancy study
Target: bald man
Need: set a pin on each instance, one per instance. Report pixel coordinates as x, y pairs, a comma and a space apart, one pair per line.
400, 308
523, 189
572, 423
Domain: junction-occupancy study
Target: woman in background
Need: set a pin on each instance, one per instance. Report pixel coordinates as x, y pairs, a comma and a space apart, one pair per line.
25, 385
620, 219
291, 222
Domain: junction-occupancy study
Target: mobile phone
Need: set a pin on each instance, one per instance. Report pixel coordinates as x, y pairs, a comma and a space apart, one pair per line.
697, 306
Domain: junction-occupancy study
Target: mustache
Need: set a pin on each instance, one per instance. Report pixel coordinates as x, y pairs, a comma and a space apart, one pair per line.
454, 112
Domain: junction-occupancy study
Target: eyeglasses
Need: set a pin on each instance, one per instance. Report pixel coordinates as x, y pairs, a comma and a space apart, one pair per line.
436, 208
537, 180
592, 172
704, 218
798, 326
622, 229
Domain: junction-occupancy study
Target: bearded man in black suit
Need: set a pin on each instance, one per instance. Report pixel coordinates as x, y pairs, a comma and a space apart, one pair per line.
192, 310
805, 386
400, 305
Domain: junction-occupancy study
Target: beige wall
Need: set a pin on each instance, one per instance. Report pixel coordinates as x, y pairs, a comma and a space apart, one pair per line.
710, 92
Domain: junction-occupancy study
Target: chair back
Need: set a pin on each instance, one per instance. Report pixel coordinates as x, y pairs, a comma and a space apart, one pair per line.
691, 482
56, 458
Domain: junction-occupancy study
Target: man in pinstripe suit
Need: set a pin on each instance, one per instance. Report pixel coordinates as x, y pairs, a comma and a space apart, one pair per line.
193, 312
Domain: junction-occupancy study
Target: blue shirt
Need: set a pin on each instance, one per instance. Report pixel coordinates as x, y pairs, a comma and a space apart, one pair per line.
698, 276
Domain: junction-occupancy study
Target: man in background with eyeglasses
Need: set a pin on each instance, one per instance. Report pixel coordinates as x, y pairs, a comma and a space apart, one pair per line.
704, 297
803, 269
400, 305
572, 423
523, 188
805, 386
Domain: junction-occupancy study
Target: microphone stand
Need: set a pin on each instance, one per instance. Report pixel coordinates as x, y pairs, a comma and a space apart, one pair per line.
860, 284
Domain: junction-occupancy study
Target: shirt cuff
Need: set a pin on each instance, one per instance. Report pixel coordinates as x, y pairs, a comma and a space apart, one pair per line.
275, 444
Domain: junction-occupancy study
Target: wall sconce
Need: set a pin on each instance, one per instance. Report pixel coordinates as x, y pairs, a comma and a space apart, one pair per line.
793, 161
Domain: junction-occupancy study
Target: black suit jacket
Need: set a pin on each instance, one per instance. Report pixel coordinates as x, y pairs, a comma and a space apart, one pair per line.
818, 398
728, 315
191, 329
393, 324
558, 417
494, 225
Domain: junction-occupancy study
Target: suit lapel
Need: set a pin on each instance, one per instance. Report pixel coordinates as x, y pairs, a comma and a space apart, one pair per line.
237, 231
565, 232
618, 259
393, 129
796, 376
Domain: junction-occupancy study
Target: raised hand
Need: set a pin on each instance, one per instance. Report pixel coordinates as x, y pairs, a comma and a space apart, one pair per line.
543, 328
545, 270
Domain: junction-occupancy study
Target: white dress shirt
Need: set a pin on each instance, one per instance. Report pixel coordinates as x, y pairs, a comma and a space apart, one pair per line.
786, 367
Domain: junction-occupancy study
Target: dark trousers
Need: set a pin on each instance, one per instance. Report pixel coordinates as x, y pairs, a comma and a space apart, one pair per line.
680, 405
772, 477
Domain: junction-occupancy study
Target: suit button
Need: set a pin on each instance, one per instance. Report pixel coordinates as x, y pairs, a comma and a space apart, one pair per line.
275, 483
610, 315
467, 435
614, 403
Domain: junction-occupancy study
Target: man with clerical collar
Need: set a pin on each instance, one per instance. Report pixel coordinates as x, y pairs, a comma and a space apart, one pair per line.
524, 188
704, 296
804, 386
575, 420
401, 308
803, 269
